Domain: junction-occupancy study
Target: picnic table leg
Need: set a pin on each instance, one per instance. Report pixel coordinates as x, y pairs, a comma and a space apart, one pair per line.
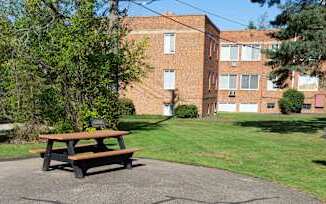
100, 144
78, 168
121, 143
47, 156
128, 161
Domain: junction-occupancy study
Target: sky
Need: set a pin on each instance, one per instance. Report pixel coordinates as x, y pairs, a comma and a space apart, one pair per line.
238, 10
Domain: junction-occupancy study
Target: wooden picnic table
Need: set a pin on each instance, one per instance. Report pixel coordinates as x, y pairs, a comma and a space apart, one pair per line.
83, 157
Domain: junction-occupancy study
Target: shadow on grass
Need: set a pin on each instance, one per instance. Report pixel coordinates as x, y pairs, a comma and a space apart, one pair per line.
320, 162
278, 126
141, 125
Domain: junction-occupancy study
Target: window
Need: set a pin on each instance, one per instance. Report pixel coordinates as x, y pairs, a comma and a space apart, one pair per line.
169, 43
272, 86
226, 107
308, 83
169, 79
319, 101
217, 56
228, 82
249, 82
210, 48
229, 53
250, 52
270, 105
275, 46
209, 80
306, 106
168, 110
216, 81
248, 108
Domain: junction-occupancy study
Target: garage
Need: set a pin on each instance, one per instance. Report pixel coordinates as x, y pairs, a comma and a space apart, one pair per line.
248, 108
227, 107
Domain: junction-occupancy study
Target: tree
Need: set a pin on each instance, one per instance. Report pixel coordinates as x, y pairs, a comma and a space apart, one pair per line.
302, 30
263, 22
251, 25
57, 61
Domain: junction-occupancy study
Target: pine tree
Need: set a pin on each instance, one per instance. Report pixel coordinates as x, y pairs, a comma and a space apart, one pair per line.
302, 30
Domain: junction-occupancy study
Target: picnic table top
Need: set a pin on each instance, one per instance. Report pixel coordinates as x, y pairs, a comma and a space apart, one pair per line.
84, 135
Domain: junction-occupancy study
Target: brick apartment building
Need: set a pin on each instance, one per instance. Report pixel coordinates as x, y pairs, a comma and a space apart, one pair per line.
184, 61
244, 84
194, 67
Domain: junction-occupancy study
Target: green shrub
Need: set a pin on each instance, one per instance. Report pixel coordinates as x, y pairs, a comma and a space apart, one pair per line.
284, 105
62, 127
51, 108
86, 116
127, 107
27, 133
186, 111
292, 101
108, 109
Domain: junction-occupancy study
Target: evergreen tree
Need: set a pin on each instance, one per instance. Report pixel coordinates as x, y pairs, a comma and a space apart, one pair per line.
251, 25
302, 30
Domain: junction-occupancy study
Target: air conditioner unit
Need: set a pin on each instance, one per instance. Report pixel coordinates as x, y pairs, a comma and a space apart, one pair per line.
234, 63
231, 93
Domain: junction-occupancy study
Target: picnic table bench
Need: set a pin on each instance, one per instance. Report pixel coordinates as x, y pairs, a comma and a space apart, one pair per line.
85, 156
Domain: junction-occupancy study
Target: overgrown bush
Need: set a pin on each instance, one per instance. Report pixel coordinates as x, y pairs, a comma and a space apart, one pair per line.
291, 102
74, 68
284, 105
108, 109
127, 107
50, 107
26, 133
186, 111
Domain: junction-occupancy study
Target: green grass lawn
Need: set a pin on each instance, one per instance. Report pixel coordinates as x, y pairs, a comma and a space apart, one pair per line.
285, 149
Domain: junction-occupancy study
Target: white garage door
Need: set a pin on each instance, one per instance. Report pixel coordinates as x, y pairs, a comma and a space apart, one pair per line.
251, 108
224, 107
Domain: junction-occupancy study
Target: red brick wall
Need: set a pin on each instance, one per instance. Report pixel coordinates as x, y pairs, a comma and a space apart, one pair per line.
188, 61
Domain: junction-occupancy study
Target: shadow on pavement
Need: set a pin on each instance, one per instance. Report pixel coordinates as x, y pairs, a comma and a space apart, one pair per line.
172, 198
67, 167
41, 200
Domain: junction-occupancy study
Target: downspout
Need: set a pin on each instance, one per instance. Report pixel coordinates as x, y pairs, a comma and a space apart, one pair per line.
293, 72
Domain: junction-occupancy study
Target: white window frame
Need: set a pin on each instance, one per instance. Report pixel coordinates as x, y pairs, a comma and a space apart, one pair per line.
272, 89
251, 46
165, 86
210, 47
250, 104
217, 51
219, 104
236, 82
278, 44
171, 109
229, 57
249, 89
169, 51
217, 81
300, 89
209, 80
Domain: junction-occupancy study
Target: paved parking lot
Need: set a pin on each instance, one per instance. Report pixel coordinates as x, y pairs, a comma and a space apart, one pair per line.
150, 181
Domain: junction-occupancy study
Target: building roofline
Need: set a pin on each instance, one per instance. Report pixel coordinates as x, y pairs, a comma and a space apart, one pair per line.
182, 15
163, 14
249, 30
212, 23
